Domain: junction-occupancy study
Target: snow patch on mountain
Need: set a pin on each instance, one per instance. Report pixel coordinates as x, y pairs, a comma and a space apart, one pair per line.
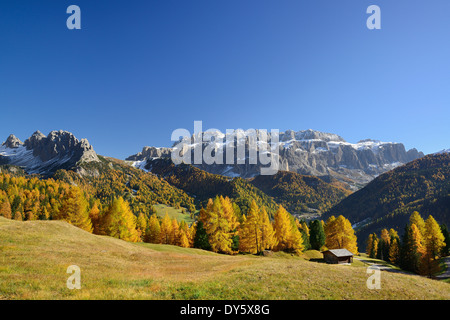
44, 155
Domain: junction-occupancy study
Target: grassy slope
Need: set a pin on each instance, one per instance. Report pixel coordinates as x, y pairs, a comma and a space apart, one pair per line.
34, 257
162, 209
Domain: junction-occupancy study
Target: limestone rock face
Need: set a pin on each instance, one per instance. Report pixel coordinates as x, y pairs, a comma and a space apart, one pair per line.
307, 152
46, 154
12, 142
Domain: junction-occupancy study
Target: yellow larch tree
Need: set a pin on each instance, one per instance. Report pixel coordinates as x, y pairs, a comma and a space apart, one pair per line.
287, 235
120, 222
249, 231
153, 232
417, 219
433, 244
268, 239
340, 234
175, 234
166, 230
74, 210
218, 226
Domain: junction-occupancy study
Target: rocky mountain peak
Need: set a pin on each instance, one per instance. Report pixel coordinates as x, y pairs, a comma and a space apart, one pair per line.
311, 152
46, 154
12, 142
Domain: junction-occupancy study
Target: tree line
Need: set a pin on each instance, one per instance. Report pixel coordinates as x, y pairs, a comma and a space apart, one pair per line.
220, 226
422, 245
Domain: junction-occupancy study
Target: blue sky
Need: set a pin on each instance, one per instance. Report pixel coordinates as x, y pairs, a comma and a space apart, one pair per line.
140, 69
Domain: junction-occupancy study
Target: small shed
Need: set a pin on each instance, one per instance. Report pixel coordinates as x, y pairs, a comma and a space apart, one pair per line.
338, 256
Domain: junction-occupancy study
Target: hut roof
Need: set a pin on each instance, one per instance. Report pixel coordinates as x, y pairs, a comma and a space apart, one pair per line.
340, 252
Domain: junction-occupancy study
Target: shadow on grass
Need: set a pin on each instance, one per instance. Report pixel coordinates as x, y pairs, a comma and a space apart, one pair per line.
317, 260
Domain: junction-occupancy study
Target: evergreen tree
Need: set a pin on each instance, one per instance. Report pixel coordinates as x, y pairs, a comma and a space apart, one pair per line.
445, 250
317, 235
201, 240
305, 232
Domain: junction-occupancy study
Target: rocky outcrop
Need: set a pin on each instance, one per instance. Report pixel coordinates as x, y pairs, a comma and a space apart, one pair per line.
150, 152
46, 154
12, 142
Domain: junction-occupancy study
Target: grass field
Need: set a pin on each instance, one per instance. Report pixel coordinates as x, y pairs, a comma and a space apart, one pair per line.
34, 257
162, 209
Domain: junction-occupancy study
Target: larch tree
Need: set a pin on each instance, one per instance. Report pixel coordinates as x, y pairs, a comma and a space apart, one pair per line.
166, 230
433, 242
249, 232
369, 244
434, 238
233, 220
374, 248
340, 234
141, 225
268, 239
412, 249
287, 235
394, 251
94, 215
120, 222
183, 239
5, 208
219, 227
283, 228
417, 219
74, 209
383, 245
175, 234
153, 232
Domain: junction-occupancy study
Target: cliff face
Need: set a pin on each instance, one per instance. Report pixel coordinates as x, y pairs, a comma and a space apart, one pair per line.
307, 152
46, 154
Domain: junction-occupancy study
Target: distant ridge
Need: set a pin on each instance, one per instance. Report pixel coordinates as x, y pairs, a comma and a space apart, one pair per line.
310, 152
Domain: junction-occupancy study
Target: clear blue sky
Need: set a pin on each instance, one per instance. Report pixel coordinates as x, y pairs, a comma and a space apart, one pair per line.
140, 69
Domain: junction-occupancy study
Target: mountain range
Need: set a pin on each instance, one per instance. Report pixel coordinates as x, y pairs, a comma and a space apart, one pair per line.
374, 184
306, 152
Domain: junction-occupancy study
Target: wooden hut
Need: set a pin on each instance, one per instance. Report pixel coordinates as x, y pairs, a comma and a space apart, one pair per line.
338, 256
